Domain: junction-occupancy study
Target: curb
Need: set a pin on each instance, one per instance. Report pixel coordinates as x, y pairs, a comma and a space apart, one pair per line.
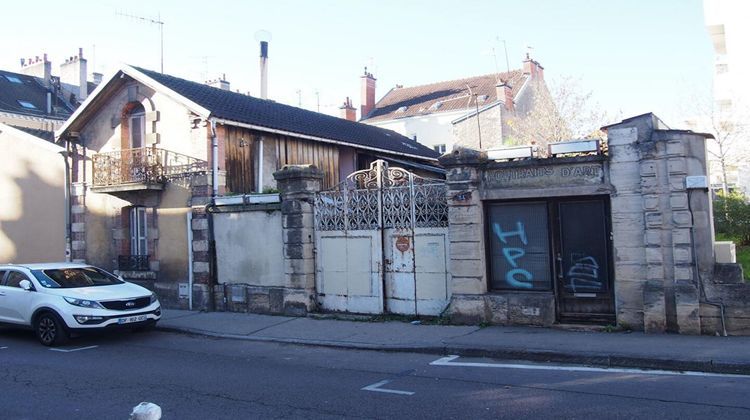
529, 355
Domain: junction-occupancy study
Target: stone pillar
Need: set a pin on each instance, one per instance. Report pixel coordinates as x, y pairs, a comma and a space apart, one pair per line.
298, 185
467, 265
200, 248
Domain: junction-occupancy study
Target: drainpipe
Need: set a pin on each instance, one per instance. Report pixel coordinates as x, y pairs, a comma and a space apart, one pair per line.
209, 214
68, 229
260, 165
189, 217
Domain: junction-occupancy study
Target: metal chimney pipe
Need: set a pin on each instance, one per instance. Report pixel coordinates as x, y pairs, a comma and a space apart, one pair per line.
264, 69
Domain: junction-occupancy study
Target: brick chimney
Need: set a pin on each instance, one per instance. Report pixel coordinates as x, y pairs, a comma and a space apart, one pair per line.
219, 82
38, 67
505, 93
348, 111
73, 73
533, 68
368, 94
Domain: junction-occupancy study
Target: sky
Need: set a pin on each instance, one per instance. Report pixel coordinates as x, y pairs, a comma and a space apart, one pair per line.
633, 56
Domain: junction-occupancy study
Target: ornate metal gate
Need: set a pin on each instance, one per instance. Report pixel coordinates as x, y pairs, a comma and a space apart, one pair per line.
381, 243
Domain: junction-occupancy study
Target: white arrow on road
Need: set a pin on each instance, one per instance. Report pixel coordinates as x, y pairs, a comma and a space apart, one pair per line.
376, 387
449, 361
78, 349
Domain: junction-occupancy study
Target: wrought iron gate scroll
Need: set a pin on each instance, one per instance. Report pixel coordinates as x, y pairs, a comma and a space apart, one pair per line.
381, 241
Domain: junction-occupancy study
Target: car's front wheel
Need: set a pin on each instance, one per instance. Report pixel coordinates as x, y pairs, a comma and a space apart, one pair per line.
50, 329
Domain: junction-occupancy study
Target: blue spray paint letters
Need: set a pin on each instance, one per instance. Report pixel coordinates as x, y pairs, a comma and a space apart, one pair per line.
512, 254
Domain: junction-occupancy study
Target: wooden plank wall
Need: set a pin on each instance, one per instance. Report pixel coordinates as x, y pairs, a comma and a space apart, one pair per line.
240, 150
325, 156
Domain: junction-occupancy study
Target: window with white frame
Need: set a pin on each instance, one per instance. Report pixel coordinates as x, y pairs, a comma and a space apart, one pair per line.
137, 125
440, 148
138, 231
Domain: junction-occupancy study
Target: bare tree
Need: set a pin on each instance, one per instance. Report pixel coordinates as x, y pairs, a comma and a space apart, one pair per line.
728, 125
562, 112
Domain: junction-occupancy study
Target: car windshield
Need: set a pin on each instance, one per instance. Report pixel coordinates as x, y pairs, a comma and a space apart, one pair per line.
67, 278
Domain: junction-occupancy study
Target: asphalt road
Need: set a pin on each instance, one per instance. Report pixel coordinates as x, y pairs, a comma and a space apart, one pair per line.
200, 378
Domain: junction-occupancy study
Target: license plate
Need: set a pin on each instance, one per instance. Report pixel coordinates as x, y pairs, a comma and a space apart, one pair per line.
128, 320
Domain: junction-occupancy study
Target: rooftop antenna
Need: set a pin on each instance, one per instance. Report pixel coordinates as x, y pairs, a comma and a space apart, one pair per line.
153, 21
317, 95
299, 98
528, 50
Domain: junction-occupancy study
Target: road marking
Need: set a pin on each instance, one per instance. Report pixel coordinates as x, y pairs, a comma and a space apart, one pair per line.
3, 347
449, 361
376, 387
71, 350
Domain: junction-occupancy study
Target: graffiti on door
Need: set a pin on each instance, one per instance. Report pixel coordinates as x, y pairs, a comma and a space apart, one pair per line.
583, 274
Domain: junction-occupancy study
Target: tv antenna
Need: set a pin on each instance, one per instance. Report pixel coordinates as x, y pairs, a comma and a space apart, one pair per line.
152, 21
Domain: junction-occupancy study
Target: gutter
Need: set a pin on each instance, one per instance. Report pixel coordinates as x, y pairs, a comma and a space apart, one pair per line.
320, 139
68, 227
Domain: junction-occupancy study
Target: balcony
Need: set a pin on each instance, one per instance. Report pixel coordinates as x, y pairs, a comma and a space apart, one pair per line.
147, 168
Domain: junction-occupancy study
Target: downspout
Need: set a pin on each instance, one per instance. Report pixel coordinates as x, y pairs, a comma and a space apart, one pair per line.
260, 165
68, 227
213, 280
189, 217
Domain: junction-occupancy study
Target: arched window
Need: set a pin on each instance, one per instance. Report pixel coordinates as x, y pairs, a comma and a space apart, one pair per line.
136, 118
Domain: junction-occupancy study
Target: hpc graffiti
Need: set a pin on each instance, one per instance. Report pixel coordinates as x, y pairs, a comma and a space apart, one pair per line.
512, 254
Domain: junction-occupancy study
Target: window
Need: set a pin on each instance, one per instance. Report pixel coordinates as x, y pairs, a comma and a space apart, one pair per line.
12, 79
15, 278
67, 278
26, 104
2, 275
440, 148
519, 246
138, 231
436, 106
401, 109
137, 129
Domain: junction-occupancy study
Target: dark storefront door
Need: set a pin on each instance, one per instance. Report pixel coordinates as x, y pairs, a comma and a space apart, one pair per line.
584, 283
556, 245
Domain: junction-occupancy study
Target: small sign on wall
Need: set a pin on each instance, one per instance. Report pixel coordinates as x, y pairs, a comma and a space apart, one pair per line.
403, 244
183, 290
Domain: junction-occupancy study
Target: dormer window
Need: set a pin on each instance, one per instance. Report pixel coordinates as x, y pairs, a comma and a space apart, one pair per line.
402, 109
12, 79
436, 106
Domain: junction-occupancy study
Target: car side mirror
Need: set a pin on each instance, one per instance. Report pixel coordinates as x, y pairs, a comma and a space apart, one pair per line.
25, 285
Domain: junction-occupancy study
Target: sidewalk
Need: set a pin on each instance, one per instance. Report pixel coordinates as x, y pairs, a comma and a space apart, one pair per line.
632, 350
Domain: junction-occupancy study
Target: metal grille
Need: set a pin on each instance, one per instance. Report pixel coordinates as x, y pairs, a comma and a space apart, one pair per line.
382, 197
126, 305
143, 165
133, 263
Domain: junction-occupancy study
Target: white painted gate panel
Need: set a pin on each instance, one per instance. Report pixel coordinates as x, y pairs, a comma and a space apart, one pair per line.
381, 243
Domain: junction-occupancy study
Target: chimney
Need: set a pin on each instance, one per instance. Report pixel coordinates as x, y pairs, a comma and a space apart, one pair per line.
41, 68
533, 68
97, 78
73, 73
505, 93
348, 111
220, 82
368, 94
264, 69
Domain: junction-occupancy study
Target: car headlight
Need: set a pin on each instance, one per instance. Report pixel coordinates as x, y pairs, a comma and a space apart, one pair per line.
84, 303
153, 298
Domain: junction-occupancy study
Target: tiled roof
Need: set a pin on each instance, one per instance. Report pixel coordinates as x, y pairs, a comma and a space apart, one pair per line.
246, 109
445, 96
42, 134
33, 93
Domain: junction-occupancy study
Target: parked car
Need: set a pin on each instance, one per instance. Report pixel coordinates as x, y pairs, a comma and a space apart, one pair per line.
60, 299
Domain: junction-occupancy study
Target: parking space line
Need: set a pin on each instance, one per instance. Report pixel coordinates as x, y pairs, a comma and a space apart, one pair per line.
71, 350
449, 361
376, 387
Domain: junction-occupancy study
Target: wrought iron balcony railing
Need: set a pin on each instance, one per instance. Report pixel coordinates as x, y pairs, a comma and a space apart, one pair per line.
147, 165
133, 263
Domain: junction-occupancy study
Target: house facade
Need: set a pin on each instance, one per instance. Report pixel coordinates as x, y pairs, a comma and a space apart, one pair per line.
152, 152
472, 112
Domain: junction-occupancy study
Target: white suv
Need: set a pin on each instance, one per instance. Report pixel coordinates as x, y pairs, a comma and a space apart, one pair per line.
61, 298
